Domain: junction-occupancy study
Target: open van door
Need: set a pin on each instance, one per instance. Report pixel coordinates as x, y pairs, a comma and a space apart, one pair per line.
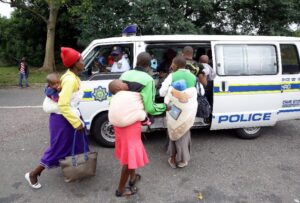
247, 89
290, 107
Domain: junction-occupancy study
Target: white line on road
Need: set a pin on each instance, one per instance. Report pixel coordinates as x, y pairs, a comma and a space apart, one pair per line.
20, 107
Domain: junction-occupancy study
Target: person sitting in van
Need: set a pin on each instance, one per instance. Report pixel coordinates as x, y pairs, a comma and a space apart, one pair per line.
167, 58
179, 90
194, 67
101, 64
120, 62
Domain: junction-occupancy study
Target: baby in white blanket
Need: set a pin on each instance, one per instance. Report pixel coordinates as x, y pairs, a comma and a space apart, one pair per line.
125, 107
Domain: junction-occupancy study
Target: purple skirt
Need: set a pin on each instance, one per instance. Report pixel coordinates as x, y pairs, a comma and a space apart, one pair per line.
61, 141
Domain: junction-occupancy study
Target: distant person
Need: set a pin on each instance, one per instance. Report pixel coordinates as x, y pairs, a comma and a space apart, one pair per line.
24, 72
120, 62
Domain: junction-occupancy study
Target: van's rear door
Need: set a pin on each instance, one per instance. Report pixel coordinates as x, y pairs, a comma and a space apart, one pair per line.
247, 89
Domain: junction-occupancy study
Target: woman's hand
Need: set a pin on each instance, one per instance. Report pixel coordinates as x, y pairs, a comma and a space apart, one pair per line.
79, 127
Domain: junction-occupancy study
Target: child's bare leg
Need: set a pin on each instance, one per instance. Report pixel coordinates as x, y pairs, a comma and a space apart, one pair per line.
132, 175
123, 179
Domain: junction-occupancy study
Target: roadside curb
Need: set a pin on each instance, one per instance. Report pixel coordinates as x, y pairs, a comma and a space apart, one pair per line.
34, 85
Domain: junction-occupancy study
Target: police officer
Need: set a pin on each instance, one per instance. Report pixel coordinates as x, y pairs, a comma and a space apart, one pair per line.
120, 62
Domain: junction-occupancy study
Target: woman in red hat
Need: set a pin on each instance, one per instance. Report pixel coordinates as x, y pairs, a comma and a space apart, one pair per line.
62, 126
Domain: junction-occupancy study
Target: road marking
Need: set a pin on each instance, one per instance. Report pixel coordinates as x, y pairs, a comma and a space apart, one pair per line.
20, 107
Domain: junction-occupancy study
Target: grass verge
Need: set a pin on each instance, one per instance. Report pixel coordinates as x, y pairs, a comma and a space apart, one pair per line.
9, 76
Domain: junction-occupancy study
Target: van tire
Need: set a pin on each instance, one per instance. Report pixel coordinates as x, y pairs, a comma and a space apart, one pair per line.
249, 133
102, 131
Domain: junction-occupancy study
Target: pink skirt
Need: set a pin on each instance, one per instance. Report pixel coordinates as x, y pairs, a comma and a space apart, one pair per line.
129, 148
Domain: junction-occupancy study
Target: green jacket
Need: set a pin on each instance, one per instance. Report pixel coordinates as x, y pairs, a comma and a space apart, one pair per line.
140, 81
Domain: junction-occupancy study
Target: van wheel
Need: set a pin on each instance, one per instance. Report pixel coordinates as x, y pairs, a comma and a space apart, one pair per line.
103, 131
248, 133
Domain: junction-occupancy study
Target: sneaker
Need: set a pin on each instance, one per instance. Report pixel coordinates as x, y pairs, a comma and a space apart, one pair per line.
182, 164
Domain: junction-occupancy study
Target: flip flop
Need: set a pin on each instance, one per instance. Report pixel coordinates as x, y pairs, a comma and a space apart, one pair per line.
135, 181
37, 185
128, 191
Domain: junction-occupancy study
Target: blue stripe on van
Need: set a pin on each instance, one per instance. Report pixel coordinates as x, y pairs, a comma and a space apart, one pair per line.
250, 88
87, 94
288, 111
295, 86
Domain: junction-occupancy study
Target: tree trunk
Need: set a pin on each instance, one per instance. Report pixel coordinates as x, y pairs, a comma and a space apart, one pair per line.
49, 60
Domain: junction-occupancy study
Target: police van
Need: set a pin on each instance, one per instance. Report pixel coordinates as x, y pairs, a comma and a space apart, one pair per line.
257, 82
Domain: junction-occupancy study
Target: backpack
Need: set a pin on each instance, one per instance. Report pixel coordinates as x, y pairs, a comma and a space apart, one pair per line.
204, 108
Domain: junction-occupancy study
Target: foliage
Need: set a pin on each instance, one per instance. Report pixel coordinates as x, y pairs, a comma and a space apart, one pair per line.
81, 21
24, 34
9, 76
263, 17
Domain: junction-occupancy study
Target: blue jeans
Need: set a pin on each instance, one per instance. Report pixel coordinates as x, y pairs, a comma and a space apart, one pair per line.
23, 76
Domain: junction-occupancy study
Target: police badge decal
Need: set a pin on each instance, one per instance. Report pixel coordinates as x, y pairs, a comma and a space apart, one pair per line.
100, 94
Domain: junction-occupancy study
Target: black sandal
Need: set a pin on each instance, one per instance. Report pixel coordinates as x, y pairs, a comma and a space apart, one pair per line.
132, 183
128, 191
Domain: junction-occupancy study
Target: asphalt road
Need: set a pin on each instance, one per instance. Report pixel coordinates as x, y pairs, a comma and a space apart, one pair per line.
223, 168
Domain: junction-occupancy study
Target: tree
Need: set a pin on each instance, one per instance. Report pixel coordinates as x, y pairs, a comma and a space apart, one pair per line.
254, 17
27, 38
53, 8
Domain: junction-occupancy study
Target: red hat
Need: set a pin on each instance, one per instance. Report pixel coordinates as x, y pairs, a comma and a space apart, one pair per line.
69, 56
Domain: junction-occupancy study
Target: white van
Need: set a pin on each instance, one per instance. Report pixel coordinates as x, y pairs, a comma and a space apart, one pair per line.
257, 82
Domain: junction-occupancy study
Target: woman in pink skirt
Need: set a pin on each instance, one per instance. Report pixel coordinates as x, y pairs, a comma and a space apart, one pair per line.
129, 148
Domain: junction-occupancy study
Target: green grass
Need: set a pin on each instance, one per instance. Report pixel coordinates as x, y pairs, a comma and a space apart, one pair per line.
9, 76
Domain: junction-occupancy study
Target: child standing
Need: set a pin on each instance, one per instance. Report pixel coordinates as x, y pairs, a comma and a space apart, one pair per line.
23, 71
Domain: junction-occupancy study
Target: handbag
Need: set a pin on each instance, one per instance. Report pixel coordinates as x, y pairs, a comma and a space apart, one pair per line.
76, 167
204, 108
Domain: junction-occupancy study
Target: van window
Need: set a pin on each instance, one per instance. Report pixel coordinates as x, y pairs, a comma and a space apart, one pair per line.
289, 59
246, 59
100, 61
164, 53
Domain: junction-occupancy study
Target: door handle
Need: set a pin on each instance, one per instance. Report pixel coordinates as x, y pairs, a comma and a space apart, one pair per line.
224, 86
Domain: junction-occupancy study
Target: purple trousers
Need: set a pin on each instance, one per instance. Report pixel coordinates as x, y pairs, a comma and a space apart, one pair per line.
61, 141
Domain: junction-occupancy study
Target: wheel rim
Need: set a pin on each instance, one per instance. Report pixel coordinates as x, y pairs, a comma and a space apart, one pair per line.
107, 131
252, 130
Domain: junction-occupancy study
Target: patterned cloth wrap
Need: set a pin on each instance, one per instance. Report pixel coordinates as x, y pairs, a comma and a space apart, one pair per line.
185, 100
